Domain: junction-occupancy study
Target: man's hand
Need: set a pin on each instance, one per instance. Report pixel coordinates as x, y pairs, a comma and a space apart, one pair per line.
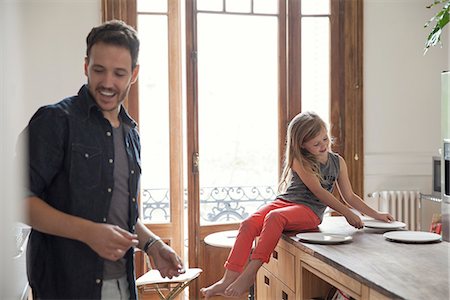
109, 241
166, 260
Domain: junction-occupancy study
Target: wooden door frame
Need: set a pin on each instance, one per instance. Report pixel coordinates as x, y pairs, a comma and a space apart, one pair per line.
126, 10
352, 96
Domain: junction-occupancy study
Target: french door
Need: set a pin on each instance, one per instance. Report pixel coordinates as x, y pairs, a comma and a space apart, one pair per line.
250, 65
232, 120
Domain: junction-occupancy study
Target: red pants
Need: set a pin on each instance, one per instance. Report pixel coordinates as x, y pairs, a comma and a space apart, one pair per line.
268, 223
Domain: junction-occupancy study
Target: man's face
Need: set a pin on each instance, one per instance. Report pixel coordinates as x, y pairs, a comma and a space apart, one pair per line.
108, 69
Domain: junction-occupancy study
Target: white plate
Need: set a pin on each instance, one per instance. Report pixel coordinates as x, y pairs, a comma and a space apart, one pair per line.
412, 236
383, 225
323, 238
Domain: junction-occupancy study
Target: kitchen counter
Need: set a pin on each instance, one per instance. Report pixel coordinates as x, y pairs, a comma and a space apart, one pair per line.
394, 270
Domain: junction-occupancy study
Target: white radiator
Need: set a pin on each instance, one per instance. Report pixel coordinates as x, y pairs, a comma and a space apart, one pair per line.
402, 205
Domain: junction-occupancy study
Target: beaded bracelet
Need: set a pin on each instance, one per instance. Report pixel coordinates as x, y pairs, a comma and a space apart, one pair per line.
151, 241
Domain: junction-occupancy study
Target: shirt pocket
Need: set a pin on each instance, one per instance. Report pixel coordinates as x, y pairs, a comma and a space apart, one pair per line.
85, 167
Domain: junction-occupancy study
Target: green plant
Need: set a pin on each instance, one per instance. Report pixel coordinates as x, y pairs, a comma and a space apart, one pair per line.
441, 19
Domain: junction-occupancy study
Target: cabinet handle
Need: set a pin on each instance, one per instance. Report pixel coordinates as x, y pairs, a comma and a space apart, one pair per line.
275, 254
266, 280
284, 296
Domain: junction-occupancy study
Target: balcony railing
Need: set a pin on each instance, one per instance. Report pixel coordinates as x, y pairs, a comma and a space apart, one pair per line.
217, 204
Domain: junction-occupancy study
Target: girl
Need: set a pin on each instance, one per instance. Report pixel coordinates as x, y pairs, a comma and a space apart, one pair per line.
309, 174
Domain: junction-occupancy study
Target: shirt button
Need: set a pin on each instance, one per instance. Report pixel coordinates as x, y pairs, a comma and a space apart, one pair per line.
110, 160
97, 281
108, 133
86, 155
104, 220
134, 199
132, 171
109, 190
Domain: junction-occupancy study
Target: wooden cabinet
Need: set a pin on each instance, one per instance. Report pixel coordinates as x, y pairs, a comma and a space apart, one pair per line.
295, 274
368, 268
277, 279
317, 278
265, 285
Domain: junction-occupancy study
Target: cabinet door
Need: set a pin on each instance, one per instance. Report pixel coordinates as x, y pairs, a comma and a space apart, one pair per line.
283, 292
266, 285
282, 263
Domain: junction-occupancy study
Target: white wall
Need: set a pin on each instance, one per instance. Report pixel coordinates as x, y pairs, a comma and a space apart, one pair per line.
41, 61
401, 95
54, 41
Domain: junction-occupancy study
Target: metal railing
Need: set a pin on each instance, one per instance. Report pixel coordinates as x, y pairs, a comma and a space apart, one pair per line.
217, 204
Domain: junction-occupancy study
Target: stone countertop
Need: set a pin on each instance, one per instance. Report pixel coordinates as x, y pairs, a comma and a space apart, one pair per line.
397, 270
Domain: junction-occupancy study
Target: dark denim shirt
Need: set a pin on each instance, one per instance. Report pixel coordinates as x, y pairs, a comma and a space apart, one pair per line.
70, 145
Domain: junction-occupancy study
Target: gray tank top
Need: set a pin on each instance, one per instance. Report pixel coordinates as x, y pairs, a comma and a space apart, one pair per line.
119, 208
298, 192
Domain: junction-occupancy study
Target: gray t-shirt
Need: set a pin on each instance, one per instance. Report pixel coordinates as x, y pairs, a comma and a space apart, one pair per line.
298, 192
119, 209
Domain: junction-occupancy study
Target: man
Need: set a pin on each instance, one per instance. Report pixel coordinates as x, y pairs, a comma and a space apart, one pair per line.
84, 169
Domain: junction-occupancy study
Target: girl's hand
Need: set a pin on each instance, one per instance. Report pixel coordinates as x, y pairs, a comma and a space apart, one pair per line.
386, 217
354, 220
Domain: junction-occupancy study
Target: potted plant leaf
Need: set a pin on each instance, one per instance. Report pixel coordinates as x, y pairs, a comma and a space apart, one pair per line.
440, 20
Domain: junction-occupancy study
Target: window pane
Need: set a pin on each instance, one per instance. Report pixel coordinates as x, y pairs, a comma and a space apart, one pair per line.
315, 7
238, 104
154, 118
316, 66
242, 6
155, 6
265, 6
210, 5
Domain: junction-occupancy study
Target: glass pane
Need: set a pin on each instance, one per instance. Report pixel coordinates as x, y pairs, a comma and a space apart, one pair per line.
154, 118
265, 6
210, 5
238, 120
242, 6
316, 66
315, 7
154, 6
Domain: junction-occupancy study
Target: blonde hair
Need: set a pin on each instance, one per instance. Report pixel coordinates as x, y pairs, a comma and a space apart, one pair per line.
302, 128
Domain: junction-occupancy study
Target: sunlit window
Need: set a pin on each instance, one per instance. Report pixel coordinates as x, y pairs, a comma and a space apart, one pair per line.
154, 111
238, 120
237, 68
315, 53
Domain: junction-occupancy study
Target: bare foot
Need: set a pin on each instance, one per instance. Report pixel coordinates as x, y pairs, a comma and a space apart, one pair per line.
242, 284
218, 288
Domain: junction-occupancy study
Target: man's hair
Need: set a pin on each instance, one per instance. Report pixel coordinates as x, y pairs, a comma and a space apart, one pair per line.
118, 33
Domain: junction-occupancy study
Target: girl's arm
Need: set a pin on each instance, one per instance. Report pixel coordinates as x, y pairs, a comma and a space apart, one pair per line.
313, 183
346, 191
